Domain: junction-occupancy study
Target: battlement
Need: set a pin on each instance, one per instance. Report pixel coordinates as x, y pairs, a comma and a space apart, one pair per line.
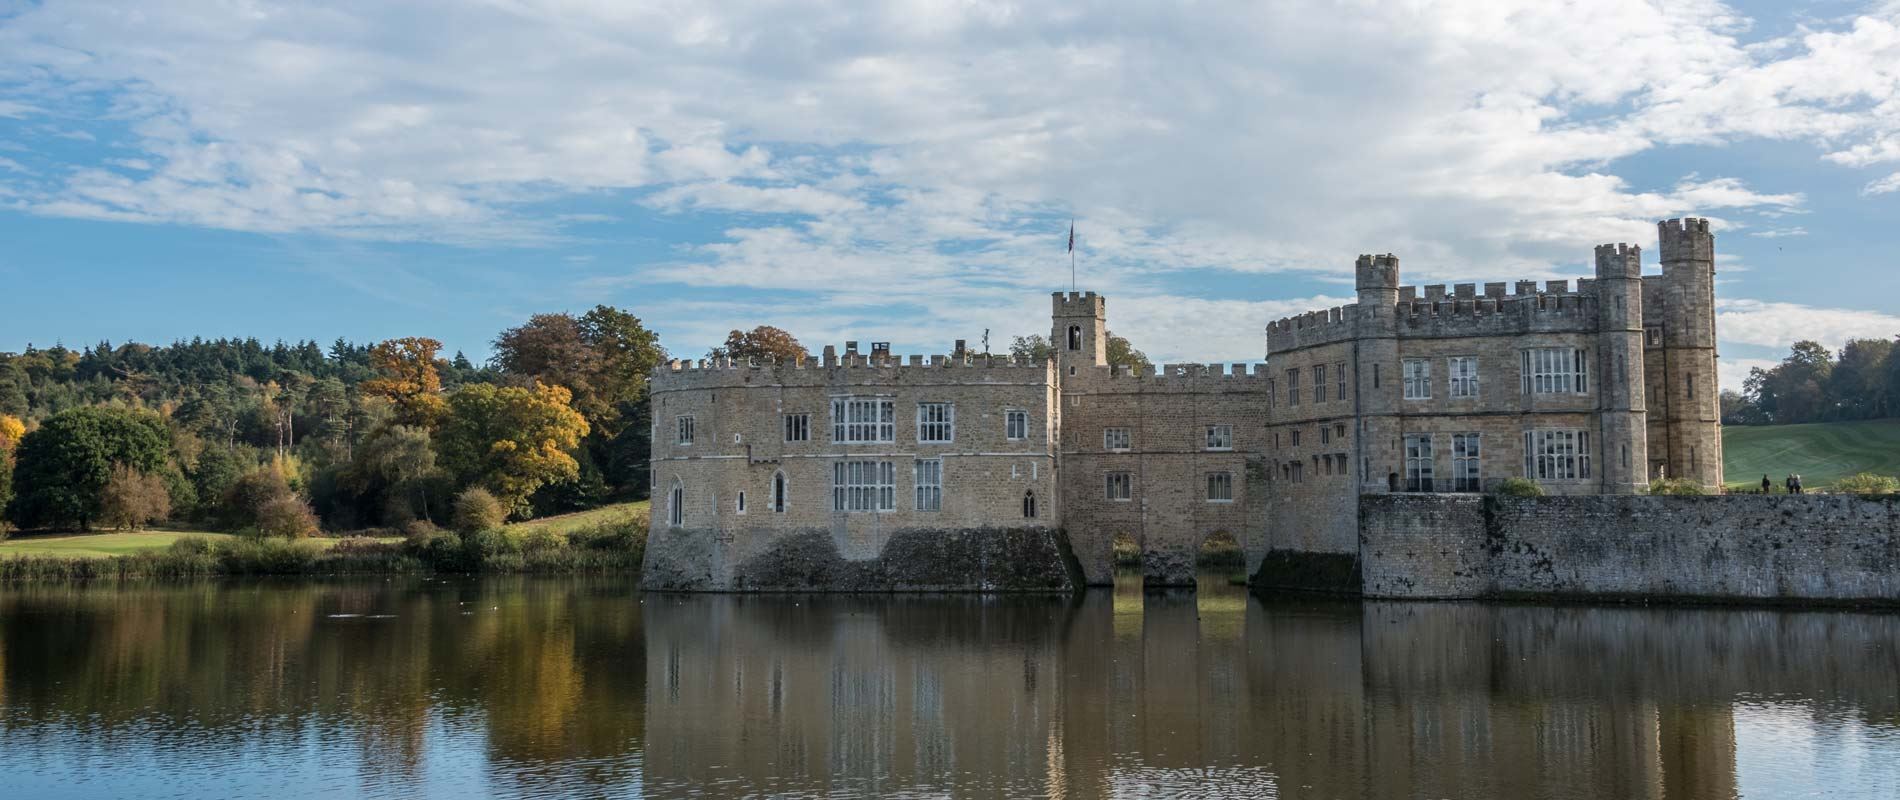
1191, 377
1079, 304
1686, 239
1623, 261
1377, 271
974, 367
1501, 309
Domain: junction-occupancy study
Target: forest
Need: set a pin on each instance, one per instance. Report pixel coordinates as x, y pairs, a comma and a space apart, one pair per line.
1812, 384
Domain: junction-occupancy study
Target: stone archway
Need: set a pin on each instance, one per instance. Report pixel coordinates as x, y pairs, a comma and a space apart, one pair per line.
1221, 552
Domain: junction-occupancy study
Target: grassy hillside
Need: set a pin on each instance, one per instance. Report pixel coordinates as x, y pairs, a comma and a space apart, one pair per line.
1822, 452
582, 519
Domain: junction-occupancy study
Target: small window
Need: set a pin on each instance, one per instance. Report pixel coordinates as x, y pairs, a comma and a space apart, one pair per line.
1220, 487
1688, 385
929, 484
1117, 486
798, 427
1220, 437
778, 493
936, 422
739, 506
686, 431
1375, 376
1075, 337
1296, 438
1029, 504
1298, 471
1463, 374
1325, 434
1293, 387
1339, 431
1015, 425
1652, 335
1418, 379
676, 505
1319, 383
1115, 439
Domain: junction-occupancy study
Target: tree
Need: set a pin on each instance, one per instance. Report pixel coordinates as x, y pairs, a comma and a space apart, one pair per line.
764, 343
62, 468
131, 499
403, 459
406, 376
477, 510
1794, 390
511, 440
11, 429
286, 516
1857, 385
602, 358
1123, 354
1032, 348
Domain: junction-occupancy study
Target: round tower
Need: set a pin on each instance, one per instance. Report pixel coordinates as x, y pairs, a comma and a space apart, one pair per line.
1689, 388
1624, 438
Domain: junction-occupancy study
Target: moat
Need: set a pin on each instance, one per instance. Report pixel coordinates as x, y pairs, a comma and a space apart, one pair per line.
586, 687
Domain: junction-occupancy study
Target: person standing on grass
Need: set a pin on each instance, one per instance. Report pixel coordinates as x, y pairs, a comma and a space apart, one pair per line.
1767, 487
1790, 483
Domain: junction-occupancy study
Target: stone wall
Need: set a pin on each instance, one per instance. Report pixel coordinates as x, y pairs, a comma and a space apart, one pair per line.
1828, 548
911, 560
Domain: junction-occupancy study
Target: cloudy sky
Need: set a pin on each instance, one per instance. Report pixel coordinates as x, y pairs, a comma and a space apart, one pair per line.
906, 171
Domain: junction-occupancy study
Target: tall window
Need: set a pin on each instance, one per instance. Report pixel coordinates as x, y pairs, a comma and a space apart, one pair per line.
1015, 425
676, 505
798, 427
1418, 378
1075, 337
1465, 457
1117, 486
1463, 372
1557, 455
778, 493
1029, 504
1220, 487
936, 422
863, 419
1299, 469
1293, 387
1220, 437
1319, 383
1339, 371
929, 484
1556, 370
1418, 463
1325, 434
1115, 438
686, 430
863, 486
1296, 438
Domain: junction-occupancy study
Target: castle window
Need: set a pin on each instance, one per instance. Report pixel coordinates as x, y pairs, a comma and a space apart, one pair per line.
1293, 387
1465, 466
1557, 455
863, 419
1298, 471
1325, 434
929, 484
1418, 379
1652, 335
1296, 438
1418, 463
936, 422
685, 430
1340, 370
1220, 437
1015, 425
1075, 337
1029, 504
1463, 374
1115, 438
1117, 486
1339, 431
863, 486
1319, 383
1556, 370
1688, 385
739, 505
1273, 393
778, 493
1375, 376
676, 504
1220, 487
798, 427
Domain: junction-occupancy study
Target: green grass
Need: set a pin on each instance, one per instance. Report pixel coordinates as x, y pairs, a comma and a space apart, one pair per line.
97, 545
1821, 452
568, 523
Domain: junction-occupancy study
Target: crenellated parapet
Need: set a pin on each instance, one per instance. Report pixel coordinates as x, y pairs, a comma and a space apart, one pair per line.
1182, 378
1686, 239
846, 370
1313, 328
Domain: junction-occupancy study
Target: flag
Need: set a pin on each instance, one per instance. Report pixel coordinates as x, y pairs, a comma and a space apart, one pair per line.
1071, 236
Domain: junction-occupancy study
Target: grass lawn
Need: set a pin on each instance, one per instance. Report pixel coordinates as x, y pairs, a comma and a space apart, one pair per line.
1822, 452
96, 545
581, 519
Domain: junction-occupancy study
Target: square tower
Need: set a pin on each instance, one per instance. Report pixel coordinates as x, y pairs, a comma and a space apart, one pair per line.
1079, 331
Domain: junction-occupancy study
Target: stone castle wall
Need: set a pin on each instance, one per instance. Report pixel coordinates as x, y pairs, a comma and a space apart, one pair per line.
1835, 548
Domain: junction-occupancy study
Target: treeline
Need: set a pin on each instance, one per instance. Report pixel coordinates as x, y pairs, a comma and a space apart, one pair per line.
1862, 381
233, 434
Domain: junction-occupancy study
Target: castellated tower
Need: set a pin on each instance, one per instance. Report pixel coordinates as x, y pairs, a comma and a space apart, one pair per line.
1688, 394
1079, 331
1625, 459
1375, 367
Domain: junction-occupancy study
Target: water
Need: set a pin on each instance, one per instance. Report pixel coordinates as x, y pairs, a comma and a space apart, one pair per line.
583, 687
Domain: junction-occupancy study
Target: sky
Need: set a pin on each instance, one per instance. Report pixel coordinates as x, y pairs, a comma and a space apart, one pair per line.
908, 170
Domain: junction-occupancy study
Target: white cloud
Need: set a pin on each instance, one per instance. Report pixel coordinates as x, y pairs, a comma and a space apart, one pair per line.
1891, 183
1778, 325
1732, 373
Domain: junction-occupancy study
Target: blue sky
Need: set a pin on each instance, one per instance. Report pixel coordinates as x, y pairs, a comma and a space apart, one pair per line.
906, 171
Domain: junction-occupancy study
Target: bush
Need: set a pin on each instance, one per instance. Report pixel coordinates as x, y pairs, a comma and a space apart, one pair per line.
1680, 487
245, 501
1867, 483
286, 517
133, 499
629, 534
419, 529
191, 545
477, 510
1519, 487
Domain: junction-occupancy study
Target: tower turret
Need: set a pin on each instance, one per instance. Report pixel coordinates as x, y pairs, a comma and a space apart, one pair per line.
1377, 278
1688, 391
1619, 287
1079, 330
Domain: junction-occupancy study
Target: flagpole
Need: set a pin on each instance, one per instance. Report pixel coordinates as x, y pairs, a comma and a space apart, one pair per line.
1072, 254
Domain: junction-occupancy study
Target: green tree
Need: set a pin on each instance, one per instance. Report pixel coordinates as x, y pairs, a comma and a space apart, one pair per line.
602, 358
402, 459
1857, 385
1123, 354
477, 510
62, 468
765, 343
1032, 348
511, 440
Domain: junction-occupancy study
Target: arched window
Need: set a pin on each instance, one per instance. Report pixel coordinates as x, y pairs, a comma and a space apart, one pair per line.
1075, 337
778, 492
676, 505
1029, 504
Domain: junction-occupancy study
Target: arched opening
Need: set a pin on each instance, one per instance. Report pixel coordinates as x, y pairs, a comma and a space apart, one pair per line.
1075, 337
1125, 551
676, 504
1221, 552
1029, 504
778, 492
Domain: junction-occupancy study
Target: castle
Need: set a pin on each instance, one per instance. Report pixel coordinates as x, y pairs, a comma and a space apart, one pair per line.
768, 470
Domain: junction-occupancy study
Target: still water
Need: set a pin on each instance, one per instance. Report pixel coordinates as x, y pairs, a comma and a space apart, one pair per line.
583, 687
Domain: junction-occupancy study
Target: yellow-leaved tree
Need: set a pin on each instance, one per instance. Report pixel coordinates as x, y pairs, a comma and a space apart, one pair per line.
406, 376
11, 429
510, 440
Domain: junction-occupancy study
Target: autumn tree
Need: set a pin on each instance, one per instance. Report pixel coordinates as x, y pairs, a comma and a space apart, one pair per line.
132, 499
765, 343
602, 358
511, 440
11, 429
406, 376
62, 468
